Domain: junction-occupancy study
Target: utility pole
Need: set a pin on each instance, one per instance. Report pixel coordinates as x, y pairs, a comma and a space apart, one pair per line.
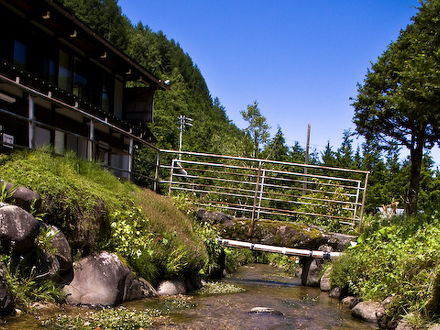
184, 122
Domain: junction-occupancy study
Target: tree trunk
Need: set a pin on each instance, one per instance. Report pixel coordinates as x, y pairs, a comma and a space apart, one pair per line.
416, 155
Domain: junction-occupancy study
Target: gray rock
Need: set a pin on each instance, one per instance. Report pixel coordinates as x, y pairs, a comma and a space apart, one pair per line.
102, 279
404, 325
366, 310
23, 197
265, 310
140, 289
312, 269
310, 273
383, 320
62, 247
347, 301
354, 302
339, 241
214, 217
324, 283
435, 327
171, 288
47, 265
18, 228
335, 293
193, 283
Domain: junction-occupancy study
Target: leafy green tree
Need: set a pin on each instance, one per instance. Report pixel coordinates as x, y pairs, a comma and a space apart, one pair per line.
328, 156
258, 128
277, 149
344, 154
398, 103
297, 154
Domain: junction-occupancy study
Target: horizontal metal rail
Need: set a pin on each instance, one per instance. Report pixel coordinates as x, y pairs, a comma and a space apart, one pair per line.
200, 154
255, 187
282, 250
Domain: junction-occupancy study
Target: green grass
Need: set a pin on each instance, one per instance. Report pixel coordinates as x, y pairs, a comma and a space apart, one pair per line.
96, 210
399, 258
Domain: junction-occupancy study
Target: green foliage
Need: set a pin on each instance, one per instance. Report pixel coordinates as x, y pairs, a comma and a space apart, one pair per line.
277, 149
5, 194
119, 318
324, 201
399, 259
44, 240
284, 262
211, 288
93, 207
25, 288
258, 128
177, 248
209, 234
129, 235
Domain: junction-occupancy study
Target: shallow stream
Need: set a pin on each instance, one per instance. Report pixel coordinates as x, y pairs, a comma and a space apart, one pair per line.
302, 307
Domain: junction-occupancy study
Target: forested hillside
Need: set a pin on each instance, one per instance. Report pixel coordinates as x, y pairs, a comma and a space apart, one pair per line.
213, 132
188, 94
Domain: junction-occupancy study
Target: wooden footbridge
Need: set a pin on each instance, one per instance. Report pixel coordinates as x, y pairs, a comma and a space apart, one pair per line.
262, 189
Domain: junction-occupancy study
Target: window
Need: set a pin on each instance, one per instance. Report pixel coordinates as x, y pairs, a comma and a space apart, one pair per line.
79, 78
59, 142
106, 93
42, 137
49, 69
77, 144
20, 53
64, 72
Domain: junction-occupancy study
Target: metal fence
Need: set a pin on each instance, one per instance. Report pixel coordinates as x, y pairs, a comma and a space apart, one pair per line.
265, 189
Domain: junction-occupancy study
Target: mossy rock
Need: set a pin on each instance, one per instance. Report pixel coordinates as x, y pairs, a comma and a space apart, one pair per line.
281, 233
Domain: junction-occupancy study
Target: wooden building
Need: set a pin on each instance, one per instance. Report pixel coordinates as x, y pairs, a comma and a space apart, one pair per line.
62, 84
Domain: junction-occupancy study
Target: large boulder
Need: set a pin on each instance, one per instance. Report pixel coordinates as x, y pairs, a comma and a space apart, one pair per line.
366, 310
47, 265
62, 249
102, 279
18, 229
171, 288
23, 197
325, 283
140, 289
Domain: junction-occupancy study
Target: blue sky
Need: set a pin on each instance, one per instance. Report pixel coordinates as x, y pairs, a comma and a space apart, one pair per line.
301, 60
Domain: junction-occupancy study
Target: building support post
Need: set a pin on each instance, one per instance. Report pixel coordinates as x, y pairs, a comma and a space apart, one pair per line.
31, 122
130, 159
91, 151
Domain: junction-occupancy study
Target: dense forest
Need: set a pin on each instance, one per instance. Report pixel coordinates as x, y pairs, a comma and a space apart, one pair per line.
213, 132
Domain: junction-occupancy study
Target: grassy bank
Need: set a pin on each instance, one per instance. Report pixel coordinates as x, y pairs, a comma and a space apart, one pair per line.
396, 258
97, 211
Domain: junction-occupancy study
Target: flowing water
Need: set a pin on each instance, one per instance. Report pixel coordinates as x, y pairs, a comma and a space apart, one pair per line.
301, 307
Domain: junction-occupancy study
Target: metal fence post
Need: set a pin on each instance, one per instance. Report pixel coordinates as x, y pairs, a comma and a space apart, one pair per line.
171, 177
357, 200
156, 173
261, 192
364, 195
257, 185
